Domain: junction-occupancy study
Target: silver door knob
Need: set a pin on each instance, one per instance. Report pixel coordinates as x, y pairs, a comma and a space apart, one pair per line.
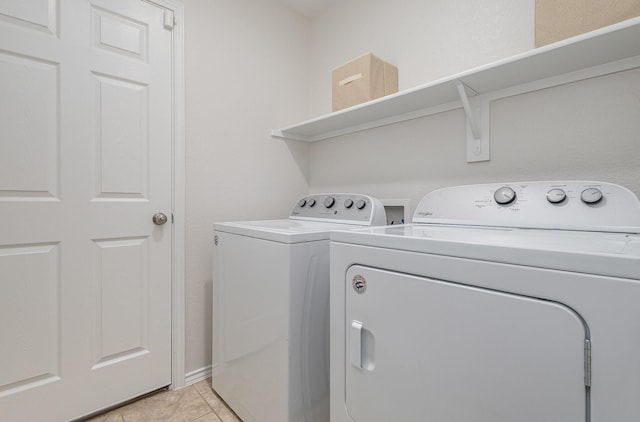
160, 218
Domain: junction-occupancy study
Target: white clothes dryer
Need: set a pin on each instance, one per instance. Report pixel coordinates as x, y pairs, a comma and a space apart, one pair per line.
499, 303
271, 304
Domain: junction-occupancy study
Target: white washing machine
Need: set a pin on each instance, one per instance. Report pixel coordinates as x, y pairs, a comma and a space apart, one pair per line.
271, 304
515, 302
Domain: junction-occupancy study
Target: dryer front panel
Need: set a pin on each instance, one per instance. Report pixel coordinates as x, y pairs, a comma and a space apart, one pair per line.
424, 349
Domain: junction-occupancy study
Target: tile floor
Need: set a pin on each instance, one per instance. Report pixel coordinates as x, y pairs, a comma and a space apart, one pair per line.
194, 403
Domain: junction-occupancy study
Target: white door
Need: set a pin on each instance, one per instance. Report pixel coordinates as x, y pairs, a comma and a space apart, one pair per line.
85, 162
421, 349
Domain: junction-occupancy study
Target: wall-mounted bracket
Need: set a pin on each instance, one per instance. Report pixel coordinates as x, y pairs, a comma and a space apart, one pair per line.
477, 112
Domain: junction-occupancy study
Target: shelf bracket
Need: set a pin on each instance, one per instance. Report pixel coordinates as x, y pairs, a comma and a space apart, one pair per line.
462, 92
477, 130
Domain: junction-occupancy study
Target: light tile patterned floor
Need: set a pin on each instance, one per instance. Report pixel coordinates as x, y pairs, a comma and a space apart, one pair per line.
194, 403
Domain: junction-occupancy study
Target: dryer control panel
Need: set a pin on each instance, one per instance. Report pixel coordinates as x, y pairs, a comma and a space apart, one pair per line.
340, 207
565, 205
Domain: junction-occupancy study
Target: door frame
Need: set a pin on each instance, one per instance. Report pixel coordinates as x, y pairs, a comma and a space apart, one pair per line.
178, 316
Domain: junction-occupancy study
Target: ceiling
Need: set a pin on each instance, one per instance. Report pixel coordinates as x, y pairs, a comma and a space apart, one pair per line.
308, 8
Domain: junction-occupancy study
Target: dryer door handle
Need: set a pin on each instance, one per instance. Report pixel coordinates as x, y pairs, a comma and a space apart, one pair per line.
356, 344
361, 346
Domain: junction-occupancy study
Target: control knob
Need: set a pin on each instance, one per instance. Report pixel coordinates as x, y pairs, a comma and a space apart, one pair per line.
505, 195
591, 196
312, 202
302, 203
348, 203
555, 196
329, 201
360, 204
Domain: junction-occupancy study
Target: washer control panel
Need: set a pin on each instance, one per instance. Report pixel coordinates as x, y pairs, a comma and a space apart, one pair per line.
340, 207
569, 205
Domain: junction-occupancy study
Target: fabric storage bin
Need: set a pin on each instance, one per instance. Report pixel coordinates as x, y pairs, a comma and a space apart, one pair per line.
363, 79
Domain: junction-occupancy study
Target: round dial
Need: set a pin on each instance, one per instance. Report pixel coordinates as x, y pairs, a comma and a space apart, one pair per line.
348, 203
360, 204
505, 195
591, 196
302, 203
312, 202
329, 201
555, 196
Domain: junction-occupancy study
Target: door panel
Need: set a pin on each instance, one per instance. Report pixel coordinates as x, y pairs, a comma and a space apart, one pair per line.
122, 138
421, 349
121, 309
37, 14
29, 151
119, 34
85, 161
30, 311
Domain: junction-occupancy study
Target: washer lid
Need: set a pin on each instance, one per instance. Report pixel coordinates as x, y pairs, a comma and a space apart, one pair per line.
283, 231
609, 254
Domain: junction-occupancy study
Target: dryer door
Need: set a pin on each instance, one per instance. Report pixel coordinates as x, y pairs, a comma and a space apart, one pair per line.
420, 349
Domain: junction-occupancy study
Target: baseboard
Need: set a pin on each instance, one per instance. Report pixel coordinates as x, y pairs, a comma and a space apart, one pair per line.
197, 375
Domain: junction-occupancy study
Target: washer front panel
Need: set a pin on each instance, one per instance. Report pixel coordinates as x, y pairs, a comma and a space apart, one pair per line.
270, 306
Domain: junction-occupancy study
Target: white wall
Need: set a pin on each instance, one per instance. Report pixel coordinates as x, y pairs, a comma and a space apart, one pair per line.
585, 130
246, 72
426, 40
